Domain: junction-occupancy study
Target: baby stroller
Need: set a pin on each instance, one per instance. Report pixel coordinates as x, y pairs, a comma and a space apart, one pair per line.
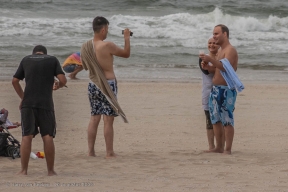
9, 146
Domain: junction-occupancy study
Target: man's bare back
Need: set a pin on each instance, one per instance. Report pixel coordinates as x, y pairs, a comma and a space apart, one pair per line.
105, 50
105, 58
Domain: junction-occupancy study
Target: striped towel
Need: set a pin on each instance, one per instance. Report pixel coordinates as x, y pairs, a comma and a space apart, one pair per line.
73, 59
230, 76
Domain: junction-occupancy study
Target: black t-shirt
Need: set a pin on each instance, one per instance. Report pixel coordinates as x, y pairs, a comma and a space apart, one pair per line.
39, 72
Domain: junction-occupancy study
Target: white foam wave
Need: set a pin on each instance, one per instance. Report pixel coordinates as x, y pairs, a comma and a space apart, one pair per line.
188, 30
182, 29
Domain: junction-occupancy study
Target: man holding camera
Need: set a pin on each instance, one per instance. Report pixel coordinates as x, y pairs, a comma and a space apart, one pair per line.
97, 57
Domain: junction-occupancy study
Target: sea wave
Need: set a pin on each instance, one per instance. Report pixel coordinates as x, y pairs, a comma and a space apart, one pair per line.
182, 29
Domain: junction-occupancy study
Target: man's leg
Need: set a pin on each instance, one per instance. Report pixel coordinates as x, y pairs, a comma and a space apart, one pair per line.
74, 73
109, 135
223, 139
210, 132
25, 150
218, 131
229, 135
49, 150
92, 132
210, 136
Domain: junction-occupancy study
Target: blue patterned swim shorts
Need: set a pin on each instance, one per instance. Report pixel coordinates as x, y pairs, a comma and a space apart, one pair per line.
98, 102
221, 105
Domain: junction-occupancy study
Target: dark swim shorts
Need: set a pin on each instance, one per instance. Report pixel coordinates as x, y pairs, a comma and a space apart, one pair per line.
98, 102
35, 120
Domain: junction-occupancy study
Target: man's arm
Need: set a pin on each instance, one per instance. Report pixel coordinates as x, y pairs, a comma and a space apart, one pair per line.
230, 54
211, 69
216, 63
115, 50
17, 87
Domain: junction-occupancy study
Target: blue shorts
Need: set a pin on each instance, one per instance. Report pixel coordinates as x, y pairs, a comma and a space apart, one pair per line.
69, 68
98, 102
221, 105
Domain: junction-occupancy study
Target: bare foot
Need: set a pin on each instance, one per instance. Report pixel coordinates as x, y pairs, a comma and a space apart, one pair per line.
72, 77
91, 154
215, 150
227, 152
111, 155
209, 150
17, 124
51, 173
23, 172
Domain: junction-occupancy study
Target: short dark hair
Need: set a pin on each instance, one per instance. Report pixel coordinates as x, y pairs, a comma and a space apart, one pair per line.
39, 48
99, 22
224, 28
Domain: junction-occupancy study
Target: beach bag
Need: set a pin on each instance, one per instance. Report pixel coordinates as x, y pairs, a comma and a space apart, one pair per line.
7, 149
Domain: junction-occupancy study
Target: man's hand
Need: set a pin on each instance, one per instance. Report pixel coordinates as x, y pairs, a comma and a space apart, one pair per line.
59, 82
56, 85
126, 33
204, 65
205, 58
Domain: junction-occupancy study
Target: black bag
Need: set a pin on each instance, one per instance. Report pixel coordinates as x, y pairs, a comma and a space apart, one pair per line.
9, 149
3, 143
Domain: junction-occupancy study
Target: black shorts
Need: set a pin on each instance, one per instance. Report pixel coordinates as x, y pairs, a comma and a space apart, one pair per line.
208, 120
35, 120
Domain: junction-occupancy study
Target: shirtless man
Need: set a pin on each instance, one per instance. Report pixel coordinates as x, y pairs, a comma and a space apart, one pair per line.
222, 99
104, 51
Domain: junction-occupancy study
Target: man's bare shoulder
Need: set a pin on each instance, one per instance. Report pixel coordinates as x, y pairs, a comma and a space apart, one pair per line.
108, 43
229, 51
232, 56
232, 49
104, 43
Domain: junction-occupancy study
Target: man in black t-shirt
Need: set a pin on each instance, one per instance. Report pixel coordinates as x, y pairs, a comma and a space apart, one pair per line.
37, 107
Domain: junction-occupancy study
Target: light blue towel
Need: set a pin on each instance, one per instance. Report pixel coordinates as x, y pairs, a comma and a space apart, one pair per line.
230, 76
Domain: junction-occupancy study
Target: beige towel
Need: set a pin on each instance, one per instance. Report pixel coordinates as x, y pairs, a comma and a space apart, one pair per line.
90, 62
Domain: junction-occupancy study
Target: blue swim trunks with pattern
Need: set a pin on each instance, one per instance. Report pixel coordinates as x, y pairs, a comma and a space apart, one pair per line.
221, 105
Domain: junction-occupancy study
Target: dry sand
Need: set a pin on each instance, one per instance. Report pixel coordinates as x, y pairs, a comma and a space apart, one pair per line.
161, 149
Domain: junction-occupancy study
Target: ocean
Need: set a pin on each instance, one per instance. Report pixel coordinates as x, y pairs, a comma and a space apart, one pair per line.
167, 34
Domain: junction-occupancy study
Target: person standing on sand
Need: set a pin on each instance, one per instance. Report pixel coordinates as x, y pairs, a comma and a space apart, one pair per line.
207, 76
37, 107
97, 57
222, 98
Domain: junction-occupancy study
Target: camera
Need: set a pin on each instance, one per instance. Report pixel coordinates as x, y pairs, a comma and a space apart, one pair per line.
131, 33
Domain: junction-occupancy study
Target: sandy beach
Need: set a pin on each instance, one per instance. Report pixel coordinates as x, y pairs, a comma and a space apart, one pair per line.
161, 149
